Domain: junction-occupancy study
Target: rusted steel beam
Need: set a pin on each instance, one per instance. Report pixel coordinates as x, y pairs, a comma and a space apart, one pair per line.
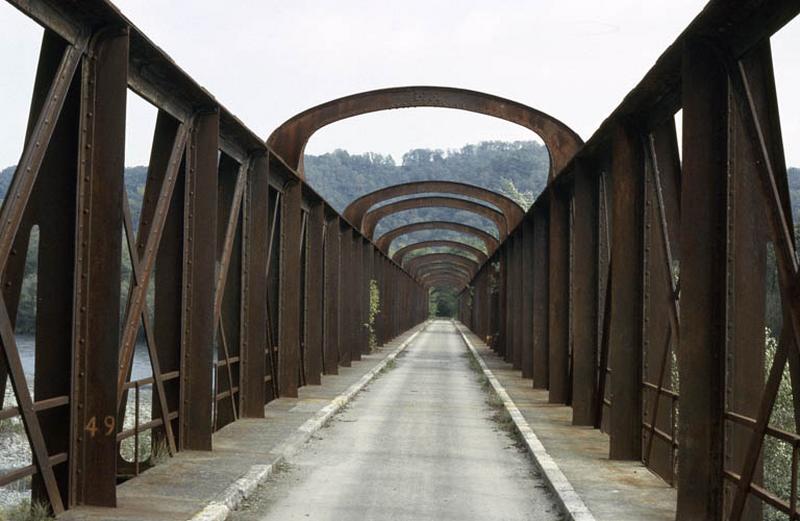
357, 209
444, 264
152, 349
704, 300
460, 260
430, 261
661, 331
447, 270
356, 269
289, 140
96, 296
444, 282
604, 296
289, 316
526, 276
519, 317
372, 217
512, 312
232, 179
345, 283
384, 242
403, 252
154, 213
199, 269
584, 295
51, 206
331, 296
755, 97
253, 368
559, 297
627, 250
314, 293
167, 295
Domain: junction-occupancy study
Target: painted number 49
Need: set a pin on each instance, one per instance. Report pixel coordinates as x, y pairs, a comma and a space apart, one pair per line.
109, 422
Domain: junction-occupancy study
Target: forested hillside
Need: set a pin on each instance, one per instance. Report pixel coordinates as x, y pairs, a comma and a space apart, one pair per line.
341, 177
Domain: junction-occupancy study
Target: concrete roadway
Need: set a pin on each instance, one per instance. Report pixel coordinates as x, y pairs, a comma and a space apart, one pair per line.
418, 444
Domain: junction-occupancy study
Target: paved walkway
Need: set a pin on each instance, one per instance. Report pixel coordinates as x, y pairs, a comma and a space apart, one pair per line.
419, 444
184, 485
612, 490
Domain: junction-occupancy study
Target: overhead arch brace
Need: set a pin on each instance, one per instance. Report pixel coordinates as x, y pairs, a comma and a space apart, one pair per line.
444, 280
372, 217
290, 139
356, 210
403, 252
384, 242
442, 264
412, 265
432, 271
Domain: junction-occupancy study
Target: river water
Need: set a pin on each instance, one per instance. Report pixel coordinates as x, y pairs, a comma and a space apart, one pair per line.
14, 449
26, 346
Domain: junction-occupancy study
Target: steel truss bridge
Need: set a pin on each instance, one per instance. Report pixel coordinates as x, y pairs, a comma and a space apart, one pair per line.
634, 265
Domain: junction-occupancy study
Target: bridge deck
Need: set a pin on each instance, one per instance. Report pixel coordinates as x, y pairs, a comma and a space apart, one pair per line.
421, 444
613, 490
184, 485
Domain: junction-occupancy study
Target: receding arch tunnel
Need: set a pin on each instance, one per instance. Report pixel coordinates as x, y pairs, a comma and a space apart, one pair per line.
372, 217
403, 252
356, 210
384, 242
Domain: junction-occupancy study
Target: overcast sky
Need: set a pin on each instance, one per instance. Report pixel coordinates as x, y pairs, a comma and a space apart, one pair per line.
268, 60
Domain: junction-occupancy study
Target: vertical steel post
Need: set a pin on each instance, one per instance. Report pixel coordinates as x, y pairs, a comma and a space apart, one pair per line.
289, 316
314, 293
199, 270
253, 369
627, 250
701, 355
95, 342
558, 323
345, 304
331, 345
584, 296
52, 206
526, 281
356, 294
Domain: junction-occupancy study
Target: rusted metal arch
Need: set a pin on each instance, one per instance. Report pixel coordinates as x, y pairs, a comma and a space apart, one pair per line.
457, 266
400, 254
443, 272
372, 217
290, 139
357, 209
453, 258
414, 264
384, 242
446, 269
443, 264
446, 279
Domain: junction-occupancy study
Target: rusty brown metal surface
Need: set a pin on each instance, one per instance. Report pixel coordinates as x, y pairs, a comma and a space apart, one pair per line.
357, 209
384, 242
372, 217
289, 140
459, 260
400, 255
625, 276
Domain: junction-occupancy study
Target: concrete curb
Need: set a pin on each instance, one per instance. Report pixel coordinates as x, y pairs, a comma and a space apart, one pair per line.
570, 502
224, 504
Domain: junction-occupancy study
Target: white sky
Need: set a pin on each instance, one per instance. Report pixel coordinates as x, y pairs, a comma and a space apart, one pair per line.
268, 60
